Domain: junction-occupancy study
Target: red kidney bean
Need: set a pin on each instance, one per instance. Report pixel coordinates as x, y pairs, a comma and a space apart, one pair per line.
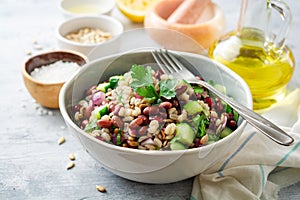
165, 105
209, 101
146, 110
104, 123
84, 123
76, 108
181, 89
158, 74
232, 124
135, 123
115, 109
175, 103
142, 130
200, 78
91, 90
116, 120
159, 119
88, 111
197, 142
153, 110
162, 115
133, 132
219, 106
145, 119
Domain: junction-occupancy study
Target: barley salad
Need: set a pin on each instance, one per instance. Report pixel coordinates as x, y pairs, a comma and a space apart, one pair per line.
149, 110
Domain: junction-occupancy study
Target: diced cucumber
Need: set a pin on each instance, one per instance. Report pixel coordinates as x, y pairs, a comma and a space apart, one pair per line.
193, 107
92, 125
235, 115
98, 112
177, 146
221, 88
103, 86
225, 132
184, 133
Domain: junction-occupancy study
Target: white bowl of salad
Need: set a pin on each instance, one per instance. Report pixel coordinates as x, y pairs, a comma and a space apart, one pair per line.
149, 127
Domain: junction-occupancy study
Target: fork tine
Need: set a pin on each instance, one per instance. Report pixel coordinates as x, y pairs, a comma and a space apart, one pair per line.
161, 62
175, 62
170, 61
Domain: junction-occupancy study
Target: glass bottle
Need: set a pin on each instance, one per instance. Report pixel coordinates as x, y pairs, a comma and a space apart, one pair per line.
256, 53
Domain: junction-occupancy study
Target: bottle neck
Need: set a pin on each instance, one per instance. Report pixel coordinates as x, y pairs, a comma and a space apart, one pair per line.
270, 17
254, 14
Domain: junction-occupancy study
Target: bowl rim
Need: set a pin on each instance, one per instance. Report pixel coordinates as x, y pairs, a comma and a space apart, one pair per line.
218, 13
69, 121
87, 17
29, 77
65, 11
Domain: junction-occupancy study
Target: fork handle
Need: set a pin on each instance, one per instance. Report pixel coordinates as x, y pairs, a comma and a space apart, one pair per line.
256, 120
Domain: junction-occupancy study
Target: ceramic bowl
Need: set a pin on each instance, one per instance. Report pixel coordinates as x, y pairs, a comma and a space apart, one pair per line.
75, 8
204, 32
105, 23
144, 165
47, 93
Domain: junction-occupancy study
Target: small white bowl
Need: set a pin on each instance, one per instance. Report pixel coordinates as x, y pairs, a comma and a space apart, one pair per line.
102, 22
73, 8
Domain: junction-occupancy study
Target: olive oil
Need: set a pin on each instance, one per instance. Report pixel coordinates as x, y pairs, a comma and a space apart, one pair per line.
265, 68
83, 9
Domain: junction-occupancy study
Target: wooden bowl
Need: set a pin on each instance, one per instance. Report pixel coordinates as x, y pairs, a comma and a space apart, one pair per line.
205, 32
47, 93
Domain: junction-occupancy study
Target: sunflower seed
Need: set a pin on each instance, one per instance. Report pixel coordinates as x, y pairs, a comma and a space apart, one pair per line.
70, 165
71, 156
61, 140
100, 188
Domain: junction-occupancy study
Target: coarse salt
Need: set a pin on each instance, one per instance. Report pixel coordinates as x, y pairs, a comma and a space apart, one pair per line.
56, 72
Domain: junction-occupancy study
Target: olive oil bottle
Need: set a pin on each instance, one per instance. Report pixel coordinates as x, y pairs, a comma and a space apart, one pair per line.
266, 69
266, 65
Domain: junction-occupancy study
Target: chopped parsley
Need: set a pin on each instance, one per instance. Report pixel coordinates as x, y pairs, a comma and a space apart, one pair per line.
143, 84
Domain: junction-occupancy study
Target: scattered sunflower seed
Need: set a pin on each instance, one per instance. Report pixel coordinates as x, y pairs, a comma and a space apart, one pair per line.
100, 188
38, 47
28, 52
50, 113
70, 165
61, 140
72, 156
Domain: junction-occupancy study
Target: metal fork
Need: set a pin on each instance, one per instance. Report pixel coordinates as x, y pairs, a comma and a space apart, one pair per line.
170, 65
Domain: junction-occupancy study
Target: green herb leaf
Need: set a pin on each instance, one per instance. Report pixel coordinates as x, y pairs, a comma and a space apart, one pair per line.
143, 82
167, 88
228, 109
147, 92
141, 76
201, 121
198, 89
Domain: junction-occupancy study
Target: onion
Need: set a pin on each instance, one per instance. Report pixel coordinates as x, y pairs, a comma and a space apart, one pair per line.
148, 141
138, 96
225, 122
97, 98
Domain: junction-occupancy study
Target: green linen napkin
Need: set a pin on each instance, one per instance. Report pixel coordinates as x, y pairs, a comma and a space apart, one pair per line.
258, 167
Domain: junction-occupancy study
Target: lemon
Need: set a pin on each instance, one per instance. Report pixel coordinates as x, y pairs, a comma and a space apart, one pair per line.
134, 9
